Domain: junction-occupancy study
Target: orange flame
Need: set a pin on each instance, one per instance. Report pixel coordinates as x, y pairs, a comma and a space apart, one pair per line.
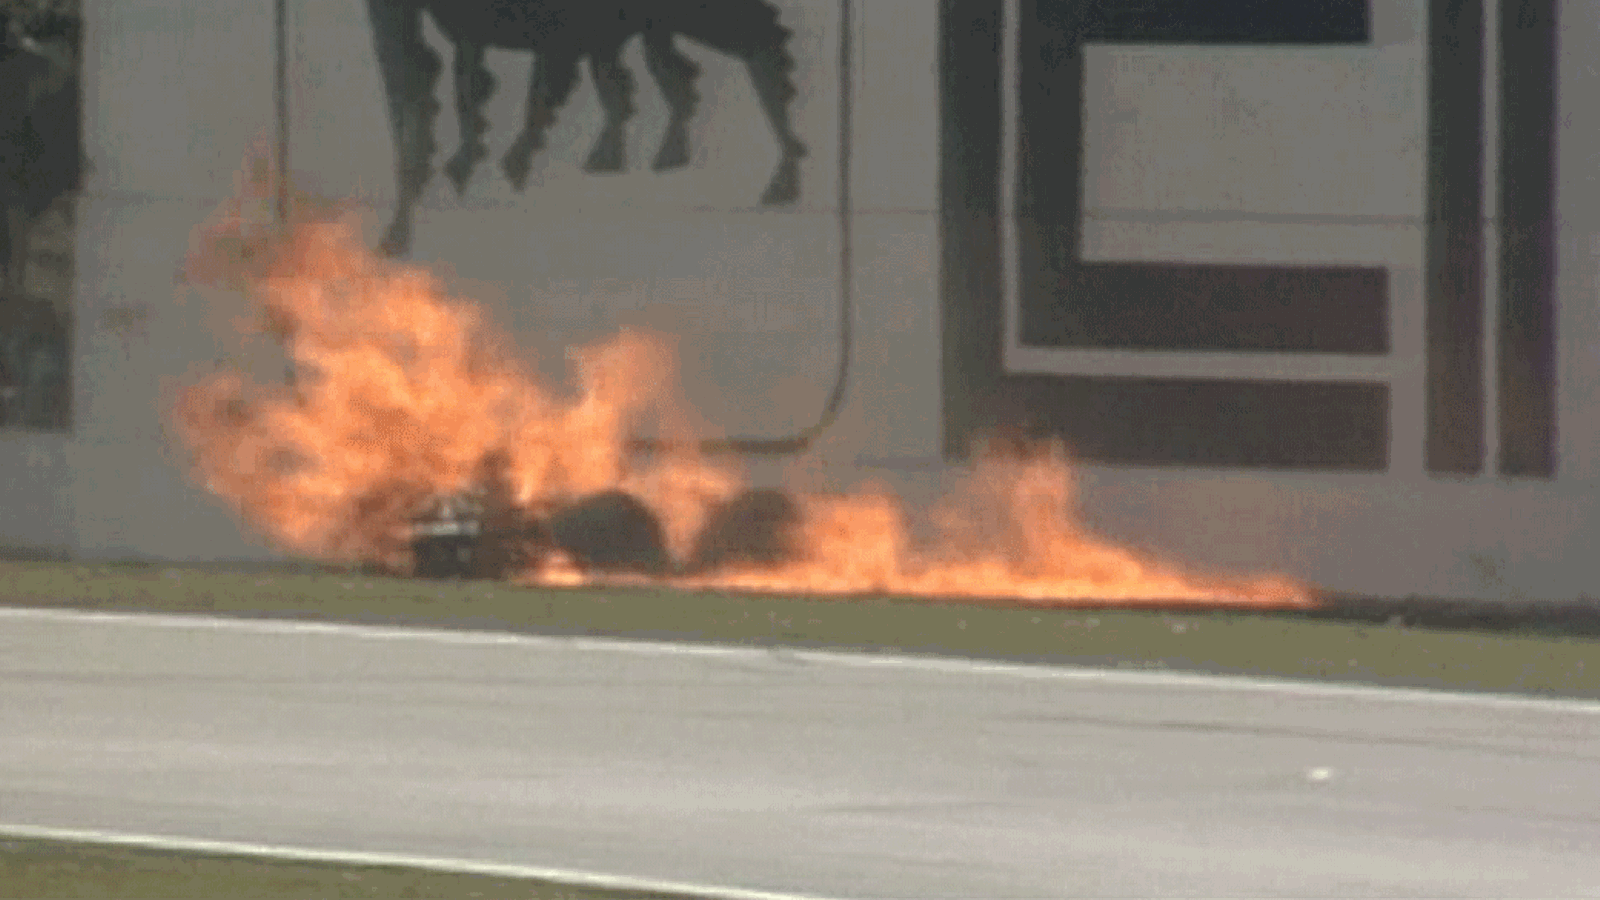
401, 392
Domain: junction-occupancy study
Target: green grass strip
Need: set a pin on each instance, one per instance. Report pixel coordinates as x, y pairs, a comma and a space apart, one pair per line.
1221, 642
54, 870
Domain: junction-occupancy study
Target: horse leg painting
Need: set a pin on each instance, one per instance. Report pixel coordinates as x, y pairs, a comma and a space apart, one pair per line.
615, 85
474, 84
549, 87
675, 75
560, 34
410, 70
749, 30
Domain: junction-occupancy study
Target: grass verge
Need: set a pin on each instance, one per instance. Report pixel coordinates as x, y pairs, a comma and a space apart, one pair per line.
53, 870
1236, 642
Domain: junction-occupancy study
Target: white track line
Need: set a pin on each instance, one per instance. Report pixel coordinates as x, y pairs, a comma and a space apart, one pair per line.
570, 877
844, 658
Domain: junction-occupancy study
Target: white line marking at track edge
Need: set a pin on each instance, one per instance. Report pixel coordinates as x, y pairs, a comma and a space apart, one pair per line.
362, 858
888, 659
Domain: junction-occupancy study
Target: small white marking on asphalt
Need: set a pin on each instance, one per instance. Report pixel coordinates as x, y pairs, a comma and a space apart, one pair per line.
1320, 773
362, 858
860, 659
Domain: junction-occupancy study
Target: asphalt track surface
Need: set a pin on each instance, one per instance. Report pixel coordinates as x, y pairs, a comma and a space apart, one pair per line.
788, 771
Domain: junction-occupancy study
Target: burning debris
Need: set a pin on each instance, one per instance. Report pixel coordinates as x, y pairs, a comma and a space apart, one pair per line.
480, 533
613, 532
414, 438
446, 539
608, 533
756, 528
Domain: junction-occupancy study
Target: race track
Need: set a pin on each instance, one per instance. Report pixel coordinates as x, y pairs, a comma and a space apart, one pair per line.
814, 773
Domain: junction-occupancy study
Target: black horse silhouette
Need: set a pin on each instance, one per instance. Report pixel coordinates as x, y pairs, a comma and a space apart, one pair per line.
560, 33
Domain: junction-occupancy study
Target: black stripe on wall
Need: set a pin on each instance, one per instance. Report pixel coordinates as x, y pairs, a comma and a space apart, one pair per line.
1229, 21
1454, 289
1527, 327
969, 221
1204, 422
1185, 306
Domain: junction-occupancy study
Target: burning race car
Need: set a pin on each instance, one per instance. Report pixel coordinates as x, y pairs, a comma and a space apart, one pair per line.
479, 534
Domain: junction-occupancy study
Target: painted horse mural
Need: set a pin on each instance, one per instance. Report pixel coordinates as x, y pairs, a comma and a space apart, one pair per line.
561, 34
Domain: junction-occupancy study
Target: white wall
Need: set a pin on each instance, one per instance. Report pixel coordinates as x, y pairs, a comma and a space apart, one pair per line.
174, 93
33, 478
178, 89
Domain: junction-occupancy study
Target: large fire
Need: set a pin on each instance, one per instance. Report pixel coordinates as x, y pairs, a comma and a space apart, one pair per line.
403, 394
